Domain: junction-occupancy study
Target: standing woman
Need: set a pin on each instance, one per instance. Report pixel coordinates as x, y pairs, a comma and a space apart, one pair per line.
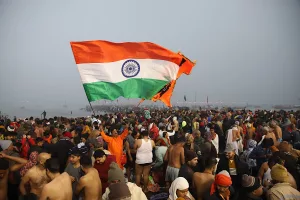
144, 157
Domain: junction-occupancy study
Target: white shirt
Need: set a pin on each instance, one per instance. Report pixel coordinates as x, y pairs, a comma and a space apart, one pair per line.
215, 142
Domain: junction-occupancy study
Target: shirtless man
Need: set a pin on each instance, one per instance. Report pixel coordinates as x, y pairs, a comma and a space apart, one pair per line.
90, 183
175, 158
264, 173
268, 133
4, 169
176, 124
39, 131
202, 181
277, 131
36, 176
60, 187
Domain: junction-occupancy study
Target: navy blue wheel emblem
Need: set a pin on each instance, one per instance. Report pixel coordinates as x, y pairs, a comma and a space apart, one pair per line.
130, 68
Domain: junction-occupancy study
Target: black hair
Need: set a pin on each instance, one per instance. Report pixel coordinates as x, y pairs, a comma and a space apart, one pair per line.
85, 136
52, 164
267, 143
134, 133
12, 133
276, 158
99, 153
210, 162
39, 139
86, 161
144, 133
75, 151
165, 133
4, 164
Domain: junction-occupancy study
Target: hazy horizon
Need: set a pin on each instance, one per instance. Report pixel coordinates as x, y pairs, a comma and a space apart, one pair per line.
246, 51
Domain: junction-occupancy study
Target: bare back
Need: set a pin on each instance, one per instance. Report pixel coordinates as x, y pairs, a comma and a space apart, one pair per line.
176, 156
91, 185
59, 188
202, 183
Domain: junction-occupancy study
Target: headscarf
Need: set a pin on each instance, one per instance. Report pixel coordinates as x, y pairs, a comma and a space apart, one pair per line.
252, 143
119, 191
279, 173
223, 179
179, 183
250, 183
32, 162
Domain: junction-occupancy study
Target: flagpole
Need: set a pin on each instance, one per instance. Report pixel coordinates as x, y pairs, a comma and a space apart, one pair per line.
92, 108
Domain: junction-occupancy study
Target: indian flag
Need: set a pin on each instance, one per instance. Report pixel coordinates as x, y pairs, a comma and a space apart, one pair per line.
132, 69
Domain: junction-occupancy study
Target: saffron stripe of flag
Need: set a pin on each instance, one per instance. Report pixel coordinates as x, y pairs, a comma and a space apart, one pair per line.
132, 69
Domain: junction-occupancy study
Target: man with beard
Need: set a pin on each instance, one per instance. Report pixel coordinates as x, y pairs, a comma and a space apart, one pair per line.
186, 171
36, 177
60, 186
232, 164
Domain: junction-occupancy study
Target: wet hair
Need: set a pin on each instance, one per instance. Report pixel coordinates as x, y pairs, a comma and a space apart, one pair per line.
180, 139
267, 143
210, 162
276, 159
52, 164
134, 133
99, 154
74, 151
86, 161
144, 133
4, 164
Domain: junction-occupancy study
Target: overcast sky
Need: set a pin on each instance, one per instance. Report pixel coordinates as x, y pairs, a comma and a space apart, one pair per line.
246, 51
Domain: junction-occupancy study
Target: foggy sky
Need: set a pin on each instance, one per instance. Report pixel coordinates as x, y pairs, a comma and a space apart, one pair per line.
246, 51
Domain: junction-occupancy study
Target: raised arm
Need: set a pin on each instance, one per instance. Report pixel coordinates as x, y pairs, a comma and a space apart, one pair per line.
104, 136
20, 162
125, 132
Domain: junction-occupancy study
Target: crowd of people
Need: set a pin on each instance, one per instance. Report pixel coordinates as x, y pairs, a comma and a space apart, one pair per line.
153, 154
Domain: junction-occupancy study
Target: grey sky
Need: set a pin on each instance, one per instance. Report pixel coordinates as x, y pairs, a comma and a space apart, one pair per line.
246, 51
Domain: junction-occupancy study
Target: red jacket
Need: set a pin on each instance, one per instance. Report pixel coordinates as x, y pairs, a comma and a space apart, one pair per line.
26, 143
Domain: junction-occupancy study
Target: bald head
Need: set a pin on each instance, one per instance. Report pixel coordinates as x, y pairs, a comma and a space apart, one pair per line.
43, 157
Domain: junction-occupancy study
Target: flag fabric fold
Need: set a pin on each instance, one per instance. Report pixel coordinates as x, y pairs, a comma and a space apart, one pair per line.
131, 69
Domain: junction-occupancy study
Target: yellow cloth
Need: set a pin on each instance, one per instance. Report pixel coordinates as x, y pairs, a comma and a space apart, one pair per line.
86, 129
279, 173
232, 164
232, 167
